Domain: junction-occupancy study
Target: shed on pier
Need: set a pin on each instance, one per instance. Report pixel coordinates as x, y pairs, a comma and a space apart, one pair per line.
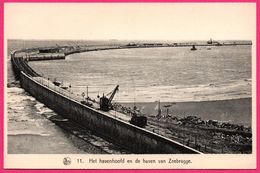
49, 50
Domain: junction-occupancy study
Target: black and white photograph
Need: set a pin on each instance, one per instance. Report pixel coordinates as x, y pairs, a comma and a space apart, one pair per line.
137, 79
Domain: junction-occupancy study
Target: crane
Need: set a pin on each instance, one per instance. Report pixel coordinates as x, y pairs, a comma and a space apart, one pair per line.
105, 103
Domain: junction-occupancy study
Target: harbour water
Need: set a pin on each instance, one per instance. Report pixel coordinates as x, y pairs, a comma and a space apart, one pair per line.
171, 75
166, 74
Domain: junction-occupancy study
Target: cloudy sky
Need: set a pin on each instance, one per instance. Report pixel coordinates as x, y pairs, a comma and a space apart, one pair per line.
160, 21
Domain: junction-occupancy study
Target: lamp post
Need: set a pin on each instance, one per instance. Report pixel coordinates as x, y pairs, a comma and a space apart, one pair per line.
70, 90
115, 110
83, 95
87, 94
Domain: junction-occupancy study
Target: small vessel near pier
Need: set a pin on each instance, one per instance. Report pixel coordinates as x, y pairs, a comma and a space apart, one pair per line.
193, 47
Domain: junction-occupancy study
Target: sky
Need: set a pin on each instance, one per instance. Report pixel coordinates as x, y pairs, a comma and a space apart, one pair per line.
130, 21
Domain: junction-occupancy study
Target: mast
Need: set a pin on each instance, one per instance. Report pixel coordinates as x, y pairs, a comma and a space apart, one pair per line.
87, 93
159, 110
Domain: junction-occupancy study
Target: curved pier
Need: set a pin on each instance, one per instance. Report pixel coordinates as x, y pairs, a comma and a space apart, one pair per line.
121, 132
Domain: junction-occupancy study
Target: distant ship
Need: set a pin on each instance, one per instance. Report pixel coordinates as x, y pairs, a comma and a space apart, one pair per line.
210, 41
214, 42
193, 47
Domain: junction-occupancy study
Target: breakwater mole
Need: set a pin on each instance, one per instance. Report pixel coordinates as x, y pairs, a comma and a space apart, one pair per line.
100, 122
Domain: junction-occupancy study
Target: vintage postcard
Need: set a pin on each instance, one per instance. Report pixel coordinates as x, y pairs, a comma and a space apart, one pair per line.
130, 86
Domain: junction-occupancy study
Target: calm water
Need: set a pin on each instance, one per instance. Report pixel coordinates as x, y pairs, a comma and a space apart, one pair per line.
166, 74
144, 75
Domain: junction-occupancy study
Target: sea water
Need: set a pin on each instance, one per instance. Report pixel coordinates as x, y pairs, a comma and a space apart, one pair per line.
144, 75
152, 74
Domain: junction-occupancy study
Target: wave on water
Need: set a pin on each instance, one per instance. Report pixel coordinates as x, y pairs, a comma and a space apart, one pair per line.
184, 93
17, 95
28, 132
13, 84
16, 90
42, 109
19, 108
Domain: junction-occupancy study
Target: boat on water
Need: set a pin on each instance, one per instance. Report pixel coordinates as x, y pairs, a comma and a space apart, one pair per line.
193, 47
210, 41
